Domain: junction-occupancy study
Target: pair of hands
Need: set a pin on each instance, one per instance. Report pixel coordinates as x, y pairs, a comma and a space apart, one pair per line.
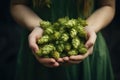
51, 62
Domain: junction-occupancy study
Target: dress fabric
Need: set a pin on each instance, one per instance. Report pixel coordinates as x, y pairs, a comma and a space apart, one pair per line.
95, 67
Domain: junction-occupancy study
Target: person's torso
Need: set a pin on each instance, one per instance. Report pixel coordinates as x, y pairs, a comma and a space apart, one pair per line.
62, 8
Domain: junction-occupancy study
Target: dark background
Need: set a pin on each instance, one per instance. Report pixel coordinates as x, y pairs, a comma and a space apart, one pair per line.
9, 42
112, 37
10, 35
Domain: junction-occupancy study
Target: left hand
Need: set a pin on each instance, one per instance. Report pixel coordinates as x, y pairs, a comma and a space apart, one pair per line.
91, 35
33, 37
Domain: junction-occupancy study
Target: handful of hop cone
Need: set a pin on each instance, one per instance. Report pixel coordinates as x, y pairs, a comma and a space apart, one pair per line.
65, 37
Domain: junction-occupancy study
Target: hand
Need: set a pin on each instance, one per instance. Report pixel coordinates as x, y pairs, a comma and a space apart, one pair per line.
91, 38
33, 37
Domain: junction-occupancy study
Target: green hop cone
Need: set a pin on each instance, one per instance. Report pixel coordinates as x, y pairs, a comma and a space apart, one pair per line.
72, 53
49, 31
43, 39
64, 37
67, 46
60, 47
56, 35
45, 24
81, 32
75, 42
56, 26
47, 49
70, 23
82, 22
56, 54
62, 21
73, 32
83, 50
62, 29
39, 52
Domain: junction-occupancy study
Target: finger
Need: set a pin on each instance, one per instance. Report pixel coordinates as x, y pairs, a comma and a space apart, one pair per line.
60, 60
33, 37
91, 40
40, 30
52, 65
82, 57
90, 50
77, 58
46, 60
32, 44
66, 59
74, 62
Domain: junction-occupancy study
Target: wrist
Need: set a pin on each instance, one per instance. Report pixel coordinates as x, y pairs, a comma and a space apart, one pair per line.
91, 28
34, 27
38, 28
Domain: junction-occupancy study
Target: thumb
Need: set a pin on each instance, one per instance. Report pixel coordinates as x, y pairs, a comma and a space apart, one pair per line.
33, 45
91, 40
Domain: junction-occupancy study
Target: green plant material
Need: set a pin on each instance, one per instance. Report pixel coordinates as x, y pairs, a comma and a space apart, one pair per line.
55, 55
81, 32
49, 31
63, 21
60, 47
39, 52
71, 23
44, 39
47, 49
83, 50
68, 46
73, 32
72, 53
75, 42
56, 35
64, 37
82, 22
45, 24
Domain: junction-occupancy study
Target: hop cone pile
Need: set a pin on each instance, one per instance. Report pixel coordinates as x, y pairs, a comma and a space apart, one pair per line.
65, 37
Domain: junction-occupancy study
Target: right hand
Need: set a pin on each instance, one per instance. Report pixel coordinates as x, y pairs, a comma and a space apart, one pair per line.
33, 37
91, 38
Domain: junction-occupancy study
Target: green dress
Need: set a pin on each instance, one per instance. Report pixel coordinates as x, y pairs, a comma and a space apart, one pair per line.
95, 67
